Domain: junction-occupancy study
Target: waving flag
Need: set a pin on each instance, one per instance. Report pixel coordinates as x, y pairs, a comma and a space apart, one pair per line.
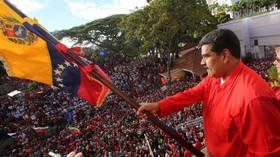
28, 54
40, 129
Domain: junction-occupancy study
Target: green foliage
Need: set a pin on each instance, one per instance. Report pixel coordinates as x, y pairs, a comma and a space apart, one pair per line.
223, 17
220, 12
164, 24
157, 28
103, 33
243, 6
216, 8
274, 77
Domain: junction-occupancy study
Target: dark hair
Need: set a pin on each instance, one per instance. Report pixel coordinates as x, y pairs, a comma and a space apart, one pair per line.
221, 39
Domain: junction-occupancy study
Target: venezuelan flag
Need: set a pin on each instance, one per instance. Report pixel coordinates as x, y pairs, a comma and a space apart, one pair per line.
30, 55
23, 53
74, 130
41, 129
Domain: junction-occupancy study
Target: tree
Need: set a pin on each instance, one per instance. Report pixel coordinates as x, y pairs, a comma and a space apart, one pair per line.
164, 24
244, 6
104, 34
223, 17
220, 12
156, 29
268, 3
135, 29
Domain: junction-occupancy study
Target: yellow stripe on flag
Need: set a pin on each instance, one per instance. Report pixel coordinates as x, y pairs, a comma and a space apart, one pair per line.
24, 54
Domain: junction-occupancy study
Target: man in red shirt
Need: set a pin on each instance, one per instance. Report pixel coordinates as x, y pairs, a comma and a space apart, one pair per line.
240, 112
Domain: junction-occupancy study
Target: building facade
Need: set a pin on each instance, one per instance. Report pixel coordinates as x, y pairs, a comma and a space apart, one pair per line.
258, 35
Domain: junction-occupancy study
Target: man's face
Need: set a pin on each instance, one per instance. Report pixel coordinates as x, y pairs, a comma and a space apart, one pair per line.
212, 62
277, 60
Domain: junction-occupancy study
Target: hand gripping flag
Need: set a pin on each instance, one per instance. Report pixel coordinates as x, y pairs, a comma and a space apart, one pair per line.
30, 55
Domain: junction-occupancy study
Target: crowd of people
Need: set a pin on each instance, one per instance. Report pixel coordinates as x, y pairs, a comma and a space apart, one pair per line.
240, 109
110, 130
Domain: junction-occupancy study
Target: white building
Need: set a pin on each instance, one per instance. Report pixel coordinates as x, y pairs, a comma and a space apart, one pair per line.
257, 34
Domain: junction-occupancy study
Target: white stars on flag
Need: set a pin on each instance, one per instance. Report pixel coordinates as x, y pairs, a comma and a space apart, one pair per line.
67, 63
58, 79
60, 71
57, 72
60, 66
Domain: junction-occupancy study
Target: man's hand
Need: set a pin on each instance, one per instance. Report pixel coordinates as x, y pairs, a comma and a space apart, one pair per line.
151, 107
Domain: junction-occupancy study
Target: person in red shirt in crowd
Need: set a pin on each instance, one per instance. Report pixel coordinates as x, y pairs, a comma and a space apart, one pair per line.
187, 153
277, 65
197, 145
240, 111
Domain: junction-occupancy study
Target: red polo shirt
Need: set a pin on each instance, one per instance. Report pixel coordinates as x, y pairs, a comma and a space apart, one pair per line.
241, 116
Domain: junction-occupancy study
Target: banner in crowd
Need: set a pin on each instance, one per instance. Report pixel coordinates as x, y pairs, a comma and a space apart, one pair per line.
27, 54
74, 130
41, 129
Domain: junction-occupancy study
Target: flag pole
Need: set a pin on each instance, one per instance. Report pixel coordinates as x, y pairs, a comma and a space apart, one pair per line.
149, 146
171, 132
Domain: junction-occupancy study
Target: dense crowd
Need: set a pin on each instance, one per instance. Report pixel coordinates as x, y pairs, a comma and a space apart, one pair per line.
111, 130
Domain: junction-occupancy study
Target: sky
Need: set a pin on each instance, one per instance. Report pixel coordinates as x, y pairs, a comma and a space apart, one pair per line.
65, 14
